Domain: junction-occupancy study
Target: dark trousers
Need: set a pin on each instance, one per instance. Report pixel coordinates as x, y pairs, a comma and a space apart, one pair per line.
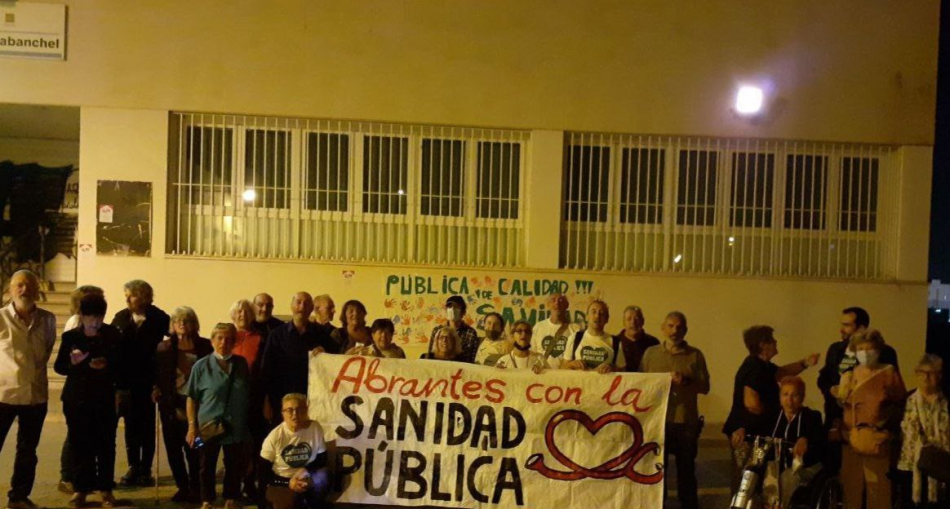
682, 441
179, 452
139, 415
66, 461
30, 421
92, 445
282, 497
235, 465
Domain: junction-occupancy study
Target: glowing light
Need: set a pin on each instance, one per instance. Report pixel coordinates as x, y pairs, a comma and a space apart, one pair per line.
401, 192
678, 258
249, 195
732, 239
749, 100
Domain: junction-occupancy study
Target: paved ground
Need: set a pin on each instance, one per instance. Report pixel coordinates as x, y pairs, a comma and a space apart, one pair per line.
713, 472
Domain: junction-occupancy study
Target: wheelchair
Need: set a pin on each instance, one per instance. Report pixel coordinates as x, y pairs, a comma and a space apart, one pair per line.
822, 491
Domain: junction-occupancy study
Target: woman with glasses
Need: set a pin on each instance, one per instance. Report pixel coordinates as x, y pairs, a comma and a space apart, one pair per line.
926, 422
175, 357
448, 346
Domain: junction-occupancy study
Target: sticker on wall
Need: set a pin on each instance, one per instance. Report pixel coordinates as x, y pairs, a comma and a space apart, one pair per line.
124, 223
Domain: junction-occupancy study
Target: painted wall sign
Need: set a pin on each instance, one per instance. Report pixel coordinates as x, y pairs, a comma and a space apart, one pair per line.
415, 303
33, 30
431, 433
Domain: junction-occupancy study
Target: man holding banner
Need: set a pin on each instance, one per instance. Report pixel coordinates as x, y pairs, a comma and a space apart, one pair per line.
687, 366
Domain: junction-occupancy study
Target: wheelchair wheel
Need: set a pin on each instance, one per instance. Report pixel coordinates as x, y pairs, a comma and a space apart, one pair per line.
831, 494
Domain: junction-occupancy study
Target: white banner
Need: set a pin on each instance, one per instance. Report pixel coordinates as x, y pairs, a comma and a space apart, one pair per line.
423, 432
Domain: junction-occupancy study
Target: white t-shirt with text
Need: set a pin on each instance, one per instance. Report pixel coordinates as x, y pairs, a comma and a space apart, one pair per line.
543, 333
291, 451
594, 351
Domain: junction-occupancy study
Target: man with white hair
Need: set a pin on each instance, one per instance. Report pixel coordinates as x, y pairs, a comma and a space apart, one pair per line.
27, 334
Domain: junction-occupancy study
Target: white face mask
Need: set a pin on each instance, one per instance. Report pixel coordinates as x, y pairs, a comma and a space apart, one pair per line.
867, 357
453, 314
222, 357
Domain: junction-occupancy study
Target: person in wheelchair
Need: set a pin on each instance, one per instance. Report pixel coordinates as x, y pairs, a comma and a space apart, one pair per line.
801, 428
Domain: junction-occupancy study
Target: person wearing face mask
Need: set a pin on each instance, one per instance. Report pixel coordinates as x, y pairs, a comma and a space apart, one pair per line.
871, 396
495, 345
800, 426
354, 332
634, 340
550, 337
455, 308
175, 357
593, 349
755, 394
218, 394
522, 356
143, 326
382, 346
90, 358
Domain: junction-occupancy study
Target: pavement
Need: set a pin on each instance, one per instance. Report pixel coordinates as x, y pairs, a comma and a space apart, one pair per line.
712, 472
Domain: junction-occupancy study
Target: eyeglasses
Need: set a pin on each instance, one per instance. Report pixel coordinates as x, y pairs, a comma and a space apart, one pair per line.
291, 411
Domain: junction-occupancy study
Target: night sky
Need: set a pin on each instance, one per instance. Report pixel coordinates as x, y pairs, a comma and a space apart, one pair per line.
940, 202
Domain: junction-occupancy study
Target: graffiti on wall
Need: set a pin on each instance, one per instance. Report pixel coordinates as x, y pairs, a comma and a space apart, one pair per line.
416, 303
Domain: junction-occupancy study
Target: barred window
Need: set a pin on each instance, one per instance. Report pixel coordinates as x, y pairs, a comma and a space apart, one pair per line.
443, 177
727, 206
266, 168
587, 180
696, 189
859, 191
327, 179
806, 182
499, 179
641, 186
286, 188
385, 174
752, 184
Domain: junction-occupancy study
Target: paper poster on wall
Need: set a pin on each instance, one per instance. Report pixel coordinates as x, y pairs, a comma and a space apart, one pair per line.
124, 218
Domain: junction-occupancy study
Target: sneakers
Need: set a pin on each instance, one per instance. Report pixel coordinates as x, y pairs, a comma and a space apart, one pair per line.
108, 499
65, 487
77, 500
22, 504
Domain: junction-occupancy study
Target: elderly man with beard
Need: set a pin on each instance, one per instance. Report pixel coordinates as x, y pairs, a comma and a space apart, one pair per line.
29, 334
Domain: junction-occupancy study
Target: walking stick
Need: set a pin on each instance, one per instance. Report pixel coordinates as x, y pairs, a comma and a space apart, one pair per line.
158, 452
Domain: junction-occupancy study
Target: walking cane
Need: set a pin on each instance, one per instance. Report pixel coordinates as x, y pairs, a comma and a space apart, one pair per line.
158, 452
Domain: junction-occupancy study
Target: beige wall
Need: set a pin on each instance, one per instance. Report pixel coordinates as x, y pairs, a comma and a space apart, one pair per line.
854, 70
132, 145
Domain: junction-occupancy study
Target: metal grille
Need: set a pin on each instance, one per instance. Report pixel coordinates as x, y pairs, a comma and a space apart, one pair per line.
728, 206
285, 188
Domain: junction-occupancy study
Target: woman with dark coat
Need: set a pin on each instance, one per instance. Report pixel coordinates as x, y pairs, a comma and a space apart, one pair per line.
90, 359
174, 359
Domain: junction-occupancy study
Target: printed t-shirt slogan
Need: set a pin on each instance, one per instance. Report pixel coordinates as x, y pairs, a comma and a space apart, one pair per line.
447, 434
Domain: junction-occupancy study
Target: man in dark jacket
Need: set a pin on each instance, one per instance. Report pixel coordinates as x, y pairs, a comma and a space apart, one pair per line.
143, 326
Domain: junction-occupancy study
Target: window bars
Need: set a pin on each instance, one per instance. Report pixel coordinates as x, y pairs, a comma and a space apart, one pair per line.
285, 188
729, 206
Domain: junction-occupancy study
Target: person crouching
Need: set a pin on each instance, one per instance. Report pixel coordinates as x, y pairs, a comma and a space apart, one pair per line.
295, 454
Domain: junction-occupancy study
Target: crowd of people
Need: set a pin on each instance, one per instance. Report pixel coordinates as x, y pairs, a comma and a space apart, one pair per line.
241, 393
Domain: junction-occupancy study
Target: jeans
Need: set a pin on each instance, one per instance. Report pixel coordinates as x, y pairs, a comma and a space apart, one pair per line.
31, 418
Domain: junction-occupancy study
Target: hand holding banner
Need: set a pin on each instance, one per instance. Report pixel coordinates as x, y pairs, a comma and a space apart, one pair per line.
460, 435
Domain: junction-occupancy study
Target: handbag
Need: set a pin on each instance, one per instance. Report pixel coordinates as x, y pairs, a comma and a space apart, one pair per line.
865, 439
216, 427
933, 462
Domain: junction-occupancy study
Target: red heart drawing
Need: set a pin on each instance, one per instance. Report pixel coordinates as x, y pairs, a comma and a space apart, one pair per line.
619, 466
